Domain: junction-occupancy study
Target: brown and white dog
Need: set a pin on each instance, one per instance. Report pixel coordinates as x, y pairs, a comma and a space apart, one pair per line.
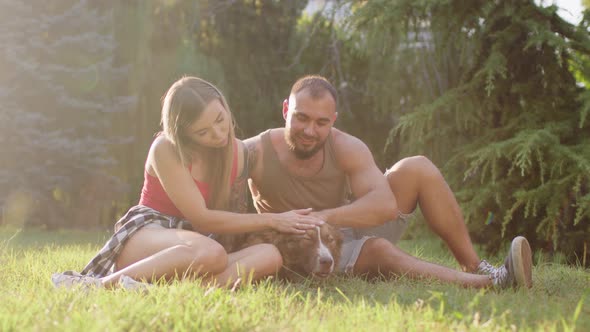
315, 253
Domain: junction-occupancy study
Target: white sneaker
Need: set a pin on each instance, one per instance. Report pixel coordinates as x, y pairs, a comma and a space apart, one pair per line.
75, 280
131, 284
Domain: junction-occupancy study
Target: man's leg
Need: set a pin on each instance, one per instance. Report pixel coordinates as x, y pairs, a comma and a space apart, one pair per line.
416, 180
380, 257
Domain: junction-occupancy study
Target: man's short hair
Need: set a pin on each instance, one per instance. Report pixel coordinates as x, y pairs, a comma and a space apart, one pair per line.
316, 85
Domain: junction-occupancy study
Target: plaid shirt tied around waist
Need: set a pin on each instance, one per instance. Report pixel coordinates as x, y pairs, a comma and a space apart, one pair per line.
138, 216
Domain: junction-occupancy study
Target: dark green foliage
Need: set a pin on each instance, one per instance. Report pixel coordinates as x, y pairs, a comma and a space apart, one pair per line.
510, 123
252, 40
264, 46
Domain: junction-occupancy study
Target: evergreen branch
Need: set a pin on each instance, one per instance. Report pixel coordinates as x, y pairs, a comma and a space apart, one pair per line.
526, 143
584, 99
509, 215
582, 209
578, 38
579, 155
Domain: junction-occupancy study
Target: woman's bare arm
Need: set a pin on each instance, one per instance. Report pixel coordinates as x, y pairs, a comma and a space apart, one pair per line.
180, 187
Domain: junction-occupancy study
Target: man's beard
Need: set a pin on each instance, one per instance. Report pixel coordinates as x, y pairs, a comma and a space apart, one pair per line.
302, 154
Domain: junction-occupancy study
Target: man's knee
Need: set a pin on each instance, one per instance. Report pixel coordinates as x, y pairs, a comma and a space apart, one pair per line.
377, 247
379, 257
412, 167
375, 251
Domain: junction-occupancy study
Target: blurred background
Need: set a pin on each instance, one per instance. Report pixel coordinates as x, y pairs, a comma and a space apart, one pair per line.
494, 92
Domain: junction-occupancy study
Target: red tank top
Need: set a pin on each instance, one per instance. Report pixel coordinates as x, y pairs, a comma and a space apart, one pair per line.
154, 196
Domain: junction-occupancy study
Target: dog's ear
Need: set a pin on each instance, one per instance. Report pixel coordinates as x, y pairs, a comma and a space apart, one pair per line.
229, 242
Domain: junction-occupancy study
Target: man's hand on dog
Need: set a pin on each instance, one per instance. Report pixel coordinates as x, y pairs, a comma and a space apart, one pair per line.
295, 222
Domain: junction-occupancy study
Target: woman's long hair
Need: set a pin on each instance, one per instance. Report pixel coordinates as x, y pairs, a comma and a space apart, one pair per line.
182, 105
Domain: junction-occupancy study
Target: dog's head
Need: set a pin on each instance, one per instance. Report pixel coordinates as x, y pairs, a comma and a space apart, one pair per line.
315, 253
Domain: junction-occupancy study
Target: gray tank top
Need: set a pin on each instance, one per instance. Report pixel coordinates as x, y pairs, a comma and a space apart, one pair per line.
280, 191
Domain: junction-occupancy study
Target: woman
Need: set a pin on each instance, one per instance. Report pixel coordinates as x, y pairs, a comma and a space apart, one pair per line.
190, 174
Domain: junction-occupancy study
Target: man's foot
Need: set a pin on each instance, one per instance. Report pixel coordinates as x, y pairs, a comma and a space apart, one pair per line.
74, 280
517, 268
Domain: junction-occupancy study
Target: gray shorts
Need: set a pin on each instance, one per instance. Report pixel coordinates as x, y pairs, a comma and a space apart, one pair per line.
354, 239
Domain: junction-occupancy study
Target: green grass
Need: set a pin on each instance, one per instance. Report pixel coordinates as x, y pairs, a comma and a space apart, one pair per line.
559, 300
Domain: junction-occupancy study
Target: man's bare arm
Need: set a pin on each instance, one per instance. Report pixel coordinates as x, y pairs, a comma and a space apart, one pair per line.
374, 203
254, 155
239, 196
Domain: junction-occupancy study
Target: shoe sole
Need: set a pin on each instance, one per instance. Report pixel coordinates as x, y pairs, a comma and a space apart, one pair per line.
522, 261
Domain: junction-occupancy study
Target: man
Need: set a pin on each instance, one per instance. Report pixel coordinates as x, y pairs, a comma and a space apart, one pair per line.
309, 163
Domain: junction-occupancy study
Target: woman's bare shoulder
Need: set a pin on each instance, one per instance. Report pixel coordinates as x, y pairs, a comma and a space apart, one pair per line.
162, 147
162, 151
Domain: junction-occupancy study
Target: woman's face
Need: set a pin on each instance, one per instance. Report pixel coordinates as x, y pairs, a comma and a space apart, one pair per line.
211, 129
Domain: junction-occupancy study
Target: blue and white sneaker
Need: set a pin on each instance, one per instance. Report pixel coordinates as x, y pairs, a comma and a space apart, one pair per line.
517, 269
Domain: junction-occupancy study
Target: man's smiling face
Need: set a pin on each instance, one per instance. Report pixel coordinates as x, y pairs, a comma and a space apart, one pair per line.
308, 121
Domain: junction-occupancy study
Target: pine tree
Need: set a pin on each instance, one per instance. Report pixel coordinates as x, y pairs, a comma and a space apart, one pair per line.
506, 117
58, 74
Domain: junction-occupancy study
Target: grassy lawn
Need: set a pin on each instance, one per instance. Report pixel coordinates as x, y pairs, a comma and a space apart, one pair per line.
559, 300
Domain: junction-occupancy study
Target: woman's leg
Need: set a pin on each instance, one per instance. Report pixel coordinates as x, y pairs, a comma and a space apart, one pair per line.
249, 264
153, 253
